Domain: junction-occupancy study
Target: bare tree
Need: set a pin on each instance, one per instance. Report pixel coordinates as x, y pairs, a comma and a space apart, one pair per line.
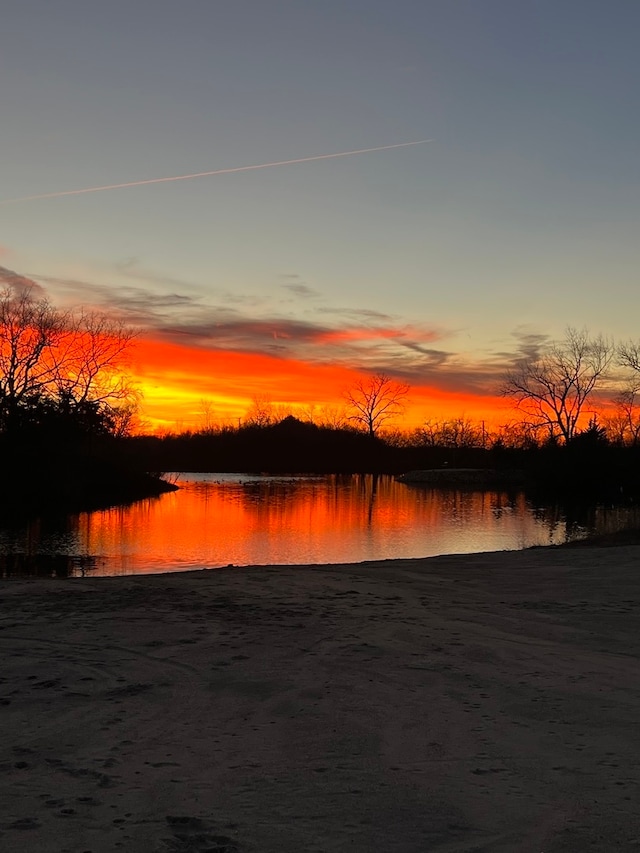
333, 417
375, 400
261, 412
453, 432
518, 435
623, 426
29, 332
124, 420
551, 389
629, 355
51, 358
207, 417
90, 358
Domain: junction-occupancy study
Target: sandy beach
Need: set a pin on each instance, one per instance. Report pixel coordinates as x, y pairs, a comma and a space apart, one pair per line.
487, 702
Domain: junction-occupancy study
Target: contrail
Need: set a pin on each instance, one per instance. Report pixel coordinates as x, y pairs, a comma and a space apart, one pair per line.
210, 174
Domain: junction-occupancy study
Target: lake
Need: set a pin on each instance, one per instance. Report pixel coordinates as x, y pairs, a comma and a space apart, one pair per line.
216, 520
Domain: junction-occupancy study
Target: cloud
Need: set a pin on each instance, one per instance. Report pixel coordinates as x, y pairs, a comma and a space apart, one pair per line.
406, 353
302, 290
294, 284
20, 284
362, 313
168, 310
135, 305
132, 268
357, 338
348, 344
529, 344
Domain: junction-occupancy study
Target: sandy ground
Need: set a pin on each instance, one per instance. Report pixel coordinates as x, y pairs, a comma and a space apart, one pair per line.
476, 703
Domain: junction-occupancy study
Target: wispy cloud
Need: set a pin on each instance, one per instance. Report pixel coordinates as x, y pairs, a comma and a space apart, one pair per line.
422, 354
136, 305
362, 314
20, 283
296, 286
528, 344
132, 268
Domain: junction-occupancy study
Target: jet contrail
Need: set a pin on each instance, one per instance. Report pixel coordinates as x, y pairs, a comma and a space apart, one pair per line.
210, 174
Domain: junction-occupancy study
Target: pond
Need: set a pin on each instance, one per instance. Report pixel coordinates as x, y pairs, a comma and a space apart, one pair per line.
216, 520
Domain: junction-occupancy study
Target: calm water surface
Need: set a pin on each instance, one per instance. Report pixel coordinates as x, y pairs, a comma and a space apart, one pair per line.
220, 519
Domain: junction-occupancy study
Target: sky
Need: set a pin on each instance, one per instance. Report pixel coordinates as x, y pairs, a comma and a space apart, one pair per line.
439, 263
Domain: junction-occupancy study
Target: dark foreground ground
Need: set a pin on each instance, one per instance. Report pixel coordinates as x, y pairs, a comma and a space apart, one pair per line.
477, 703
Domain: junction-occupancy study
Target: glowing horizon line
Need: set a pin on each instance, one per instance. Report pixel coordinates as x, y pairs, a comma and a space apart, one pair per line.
229, 171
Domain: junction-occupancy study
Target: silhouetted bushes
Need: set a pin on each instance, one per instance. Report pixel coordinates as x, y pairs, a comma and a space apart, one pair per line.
289, 446
65, 474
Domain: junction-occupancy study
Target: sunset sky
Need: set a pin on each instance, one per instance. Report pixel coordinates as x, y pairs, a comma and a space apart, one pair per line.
437, 262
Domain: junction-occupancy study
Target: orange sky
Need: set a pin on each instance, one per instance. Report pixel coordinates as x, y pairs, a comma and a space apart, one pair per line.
176, 381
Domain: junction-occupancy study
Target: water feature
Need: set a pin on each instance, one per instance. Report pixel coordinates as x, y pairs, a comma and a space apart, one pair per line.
220, 519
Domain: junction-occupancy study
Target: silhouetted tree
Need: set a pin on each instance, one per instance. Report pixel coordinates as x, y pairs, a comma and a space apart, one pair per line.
90, 359
453, 432
592, 438
29, 331
260, 413
375, 400
333, 417
208, 421
623, 425
56, 365
551, 389
522, 436
629, 355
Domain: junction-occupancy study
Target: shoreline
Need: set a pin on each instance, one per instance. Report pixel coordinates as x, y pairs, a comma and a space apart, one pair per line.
467, 702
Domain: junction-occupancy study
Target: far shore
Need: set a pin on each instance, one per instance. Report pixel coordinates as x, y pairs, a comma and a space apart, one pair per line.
483, 702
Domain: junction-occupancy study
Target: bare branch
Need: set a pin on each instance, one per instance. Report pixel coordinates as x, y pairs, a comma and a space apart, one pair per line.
551, 390
375, 401
629, 355
52, 358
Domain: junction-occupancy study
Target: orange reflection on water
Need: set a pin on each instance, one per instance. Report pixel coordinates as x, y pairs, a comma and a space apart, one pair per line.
216, 520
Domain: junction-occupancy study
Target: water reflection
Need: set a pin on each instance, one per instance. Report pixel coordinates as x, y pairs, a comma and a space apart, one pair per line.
221, 519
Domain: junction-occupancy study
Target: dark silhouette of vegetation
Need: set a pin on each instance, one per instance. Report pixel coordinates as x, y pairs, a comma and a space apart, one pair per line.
65, 400
552, 387
374, 401
453, 433
57, 365
288, 446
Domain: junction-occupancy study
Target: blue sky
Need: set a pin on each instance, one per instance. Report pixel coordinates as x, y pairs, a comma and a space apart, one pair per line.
519, 217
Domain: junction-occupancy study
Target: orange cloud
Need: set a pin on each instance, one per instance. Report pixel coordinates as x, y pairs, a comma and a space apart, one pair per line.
341, 335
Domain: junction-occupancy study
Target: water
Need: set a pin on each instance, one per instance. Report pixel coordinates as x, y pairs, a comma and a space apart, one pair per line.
221, 519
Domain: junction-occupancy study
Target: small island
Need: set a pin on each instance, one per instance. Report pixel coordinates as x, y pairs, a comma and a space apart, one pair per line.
460, 478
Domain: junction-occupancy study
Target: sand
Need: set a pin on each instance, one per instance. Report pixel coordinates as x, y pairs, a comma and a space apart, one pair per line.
463, 703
